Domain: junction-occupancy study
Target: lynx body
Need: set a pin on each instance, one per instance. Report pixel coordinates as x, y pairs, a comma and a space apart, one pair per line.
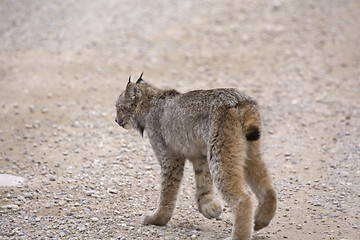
219, 132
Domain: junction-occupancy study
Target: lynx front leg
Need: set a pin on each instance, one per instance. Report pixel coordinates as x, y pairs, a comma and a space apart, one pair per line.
260, 182
208, 205
171, 175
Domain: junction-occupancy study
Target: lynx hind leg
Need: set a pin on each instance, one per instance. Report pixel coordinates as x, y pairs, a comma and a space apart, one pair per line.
207, 204
260, 182
226, 157
171, 175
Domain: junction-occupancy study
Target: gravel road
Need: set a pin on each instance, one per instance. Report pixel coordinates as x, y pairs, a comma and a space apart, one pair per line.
64, 63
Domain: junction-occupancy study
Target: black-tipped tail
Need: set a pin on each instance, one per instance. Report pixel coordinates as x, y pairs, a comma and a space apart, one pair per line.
253, 133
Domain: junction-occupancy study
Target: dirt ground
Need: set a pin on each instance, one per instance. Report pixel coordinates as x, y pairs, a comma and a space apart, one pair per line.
64, 63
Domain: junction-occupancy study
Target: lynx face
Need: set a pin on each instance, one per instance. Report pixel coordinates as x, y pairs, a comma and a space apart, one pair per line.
125, 107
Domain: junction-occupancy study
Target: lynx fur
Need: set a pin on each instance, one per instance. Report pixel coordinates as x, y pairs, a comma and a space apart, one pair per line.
219, 132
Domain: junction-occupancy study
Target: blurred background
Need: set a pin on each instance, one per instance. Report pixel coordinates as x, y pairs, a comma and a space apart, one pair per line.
64, 63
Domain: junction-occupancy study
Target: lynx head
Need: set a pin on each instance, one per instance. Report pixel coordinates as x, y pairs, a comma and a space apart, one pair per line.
126, 106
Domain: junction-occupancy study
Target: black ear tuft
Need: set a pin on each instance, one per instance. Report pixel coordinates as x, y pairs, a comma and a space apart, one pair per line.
129, 79
140, 80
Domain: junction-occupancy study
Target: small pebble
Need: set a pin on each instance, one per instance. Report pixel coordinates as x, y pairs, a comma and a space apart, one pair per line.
113, 191
90, 192
32, 108
44, 110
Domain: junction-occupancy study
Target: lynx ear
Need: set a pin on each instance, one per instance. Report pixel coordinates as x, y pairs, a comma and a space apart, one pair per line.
132, 91
129, 79
140, 80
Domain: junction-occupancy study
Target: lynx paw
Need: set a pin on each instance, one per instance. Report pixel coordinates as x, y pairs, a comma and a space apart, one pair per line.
211, 209
265, 211
260, 224
154, 219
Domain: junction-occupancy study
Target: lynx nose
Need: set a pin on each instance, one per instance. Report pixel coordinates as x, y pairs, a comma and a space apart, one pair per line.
120, 122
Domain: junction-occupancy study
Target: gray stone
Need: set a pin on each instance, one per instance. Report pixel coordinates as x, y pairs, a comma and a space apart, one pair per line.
7, 180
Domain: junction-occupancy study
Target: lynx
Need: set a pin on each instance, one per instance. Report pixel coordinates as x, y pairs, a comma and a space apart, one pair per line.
218, 131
